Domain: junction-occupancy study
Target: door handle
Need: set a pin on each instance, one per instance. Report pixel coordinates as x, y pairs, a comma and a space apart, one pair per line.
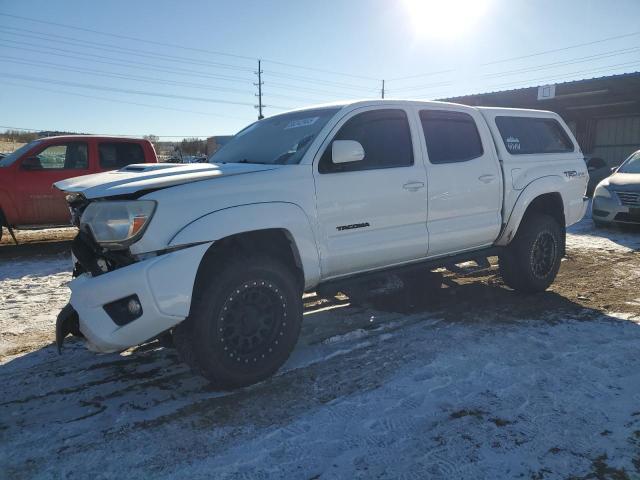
413, 186
487, 178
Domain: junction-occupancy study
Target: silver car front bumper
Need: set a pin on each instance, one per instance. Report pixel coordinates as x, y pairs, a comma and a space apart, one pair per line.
612, 210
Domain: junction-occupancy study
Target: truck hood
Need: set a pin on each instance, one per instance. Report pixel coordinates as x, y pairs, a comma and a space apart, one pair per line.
152, 176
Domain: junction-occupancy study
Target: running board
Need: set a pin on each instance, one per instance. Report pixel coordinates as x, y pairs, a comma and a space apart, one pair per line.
479, 256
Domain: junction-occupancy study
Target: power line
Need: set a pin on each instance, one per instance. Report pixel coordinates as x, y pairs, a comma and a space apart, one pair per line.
562, 49
527, 83
166, 58
102, 73
136, 65
288, 86
422, 87
531, 83
184, 47
313, 69
427, 74
140, 78
611, 53
123, 90
126, 37
175, 70
582, 72
83, 43
598, 56
289, 97
319, 82
106, 99
504, 60
118, 49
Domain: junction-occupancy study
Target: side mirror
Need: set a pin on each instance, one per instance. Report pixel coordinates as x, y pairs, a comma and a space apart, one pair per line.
31, 163
346, 151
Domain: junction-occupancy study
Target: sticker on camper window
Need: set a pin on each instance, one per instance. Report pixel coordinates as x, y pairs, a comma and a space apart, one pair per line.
513, 144
302, 122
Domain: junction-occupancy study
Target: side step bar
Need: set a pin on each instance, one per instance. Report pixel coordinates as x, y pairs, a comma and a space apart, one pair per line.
449, 262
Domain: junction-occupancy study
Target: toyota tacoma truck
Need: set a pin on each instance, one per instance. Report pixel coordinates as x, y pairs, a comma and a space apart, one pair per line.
219, 255
27, 199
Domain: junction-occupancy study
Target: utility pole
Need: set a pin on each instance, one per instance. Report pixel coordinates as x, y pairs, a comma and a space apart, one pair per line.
259, 94
382, 88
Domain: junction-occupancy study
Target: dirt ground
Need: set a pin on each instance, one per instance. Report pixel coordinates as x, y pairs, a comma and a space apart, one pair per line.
41, 238
471, 381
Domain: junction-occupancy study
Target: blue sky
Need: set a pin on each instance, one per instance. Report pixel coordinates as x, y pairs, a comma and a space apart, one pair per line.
52, 74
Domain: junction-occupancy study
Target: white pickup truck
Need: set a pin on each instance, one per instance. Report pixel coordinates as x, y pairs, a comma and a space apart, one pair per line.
219, 254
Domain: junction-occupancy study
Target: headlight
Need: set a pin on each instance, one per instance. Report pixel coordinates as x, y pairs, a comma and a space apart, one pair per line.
602, 191
117, 224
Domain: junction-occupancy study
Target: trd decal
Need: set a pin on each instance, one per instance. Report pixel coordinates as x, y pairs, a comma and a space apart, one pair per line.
573, 173
352, 226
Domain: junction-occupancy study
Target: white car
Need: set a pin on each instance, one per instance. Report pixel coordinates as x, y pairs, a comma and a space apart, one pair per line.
220, 254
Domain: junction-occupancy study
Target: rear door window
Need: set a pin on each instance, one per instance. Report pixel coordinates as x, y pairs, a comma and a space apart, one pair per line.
522, 135
451, 137
115, 155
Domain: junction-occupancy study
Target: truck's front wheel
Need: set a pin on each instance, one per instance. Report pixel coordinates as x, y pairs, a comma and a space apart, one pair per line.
244, 322
532, 260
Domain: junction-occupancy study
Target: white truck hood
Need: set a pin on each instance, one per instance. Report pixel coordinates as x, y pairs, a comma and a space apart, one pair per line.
150, 176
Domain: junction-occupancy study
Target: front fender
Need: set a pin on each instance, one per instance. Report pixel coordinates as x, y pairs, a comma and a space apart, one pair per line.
258, 216
540, 186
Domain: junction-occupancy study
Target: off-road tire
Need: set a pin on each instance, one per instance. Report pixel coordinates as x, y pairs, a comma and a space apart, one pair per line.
244, 322
531, 261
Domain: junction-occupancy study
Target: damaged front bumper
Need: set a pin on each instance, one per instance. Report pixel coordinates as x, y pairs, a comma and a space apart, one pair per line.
162, 287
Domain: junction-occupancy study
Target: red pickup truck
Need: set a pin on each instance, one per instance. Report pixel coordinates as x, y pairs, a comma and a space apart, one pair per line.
27, 197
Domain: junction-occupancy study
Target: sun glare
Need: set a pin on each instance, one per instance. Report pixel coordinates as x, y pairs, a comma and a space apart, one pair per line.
444, 18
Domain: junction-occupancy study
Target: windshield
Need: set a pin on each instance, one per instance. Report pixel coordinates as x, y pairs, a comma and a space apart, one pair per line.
632, 164
12, 157
281, 140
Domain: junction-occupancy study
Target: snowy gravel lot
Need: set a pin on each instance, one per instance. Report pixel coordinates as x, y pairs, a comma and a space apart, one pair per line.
478, 382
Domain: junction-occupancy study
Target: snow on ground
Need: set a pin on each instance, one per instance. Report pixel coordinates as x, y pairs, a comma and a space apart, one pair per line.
32, 292
584, 234
485, 383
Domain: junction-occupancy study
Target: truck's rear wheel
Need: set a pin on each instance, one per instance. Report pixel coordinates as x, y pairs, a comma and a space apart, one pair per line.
244, 322
532, 260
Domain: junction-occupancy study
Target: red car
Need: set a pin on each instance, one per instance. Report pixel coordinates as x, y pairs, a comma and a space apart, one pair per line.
27, 197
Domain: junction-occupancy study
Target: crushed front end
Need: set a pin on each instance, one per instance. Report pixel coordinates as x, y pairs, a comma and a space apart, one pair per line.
119, 299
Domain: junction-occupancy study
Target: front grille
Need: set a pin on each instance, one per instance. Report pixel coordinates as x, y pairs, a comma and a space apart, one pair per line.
630, 199
627, 218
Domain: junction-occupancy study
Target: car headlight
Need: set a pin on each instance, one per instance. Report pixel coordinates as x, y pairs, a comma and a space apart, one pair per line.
602, 191
117, 224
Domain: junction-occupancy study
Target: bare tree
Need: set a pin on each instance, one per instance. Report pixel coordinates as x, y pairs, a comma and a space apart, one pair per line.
193, 146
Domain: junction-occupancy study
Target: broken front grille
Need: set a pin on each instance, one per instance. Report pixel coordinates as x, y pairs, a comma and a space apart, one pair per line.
630, 199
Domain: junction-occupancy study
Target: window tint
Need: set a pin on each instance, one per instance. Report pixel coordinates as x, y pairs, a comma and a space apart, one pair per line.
68, 156
119, 154
385, 137
450, 136
533, 135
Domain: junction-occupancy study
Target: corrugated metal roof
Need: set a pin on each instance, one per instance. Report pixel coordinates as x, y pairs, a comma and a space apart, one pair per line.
605, 79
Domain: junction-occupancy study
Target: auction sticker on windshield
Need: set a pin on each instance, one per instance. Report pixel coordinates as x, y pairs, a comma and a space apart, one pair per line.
302, 122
